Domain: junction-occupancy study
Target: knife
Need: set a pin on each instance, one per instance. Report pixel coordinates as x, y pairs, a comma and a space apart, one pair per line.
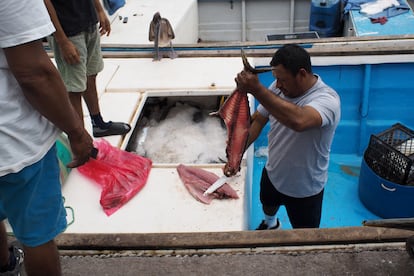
217, 184
94, 153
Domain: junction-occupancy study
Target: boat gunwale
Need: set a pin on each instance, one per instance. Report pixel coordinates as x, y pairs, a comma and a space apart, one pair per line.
349, 46
230, 239
333, 46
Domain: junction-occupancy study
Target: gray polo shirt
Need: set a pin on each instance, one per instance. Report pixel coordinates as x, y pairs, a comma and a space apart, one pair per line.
298, 161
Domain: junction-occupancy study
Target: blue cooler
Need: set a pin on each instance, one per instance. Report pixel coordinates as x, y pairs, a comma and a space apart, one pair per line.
386, 180
384, 198
325, 17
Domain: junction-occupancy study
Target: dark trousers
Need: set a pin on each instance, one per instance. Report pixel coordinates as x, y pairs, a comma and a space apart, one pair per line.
303, 212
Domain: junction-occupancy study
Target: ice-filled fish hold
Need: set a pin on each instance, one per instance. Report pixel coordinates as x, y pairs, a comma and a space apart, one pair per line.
235, 113
198, 180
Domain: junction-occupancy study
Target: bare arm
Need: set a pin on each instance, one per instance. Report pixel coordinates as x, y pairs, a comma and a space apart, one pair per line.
45, 91
69, 52
104, 24
257, 124
295, 117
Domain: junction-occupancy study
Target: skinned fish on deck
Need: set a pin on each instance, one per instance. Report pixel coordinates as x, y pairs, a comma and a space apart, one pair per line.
198, 180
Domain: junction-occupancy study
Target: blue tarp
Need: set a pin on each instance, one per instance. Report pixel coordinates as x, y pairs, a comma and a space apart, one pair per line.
389, 12
112, 6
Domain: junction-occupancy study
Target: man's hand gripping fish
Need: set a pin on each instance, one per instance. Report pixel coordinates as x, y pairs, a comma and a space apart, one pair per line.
235, 113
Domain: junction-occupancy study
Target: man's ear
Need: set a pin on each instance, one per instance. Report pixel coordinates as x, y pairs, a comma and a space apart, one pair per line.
303, 72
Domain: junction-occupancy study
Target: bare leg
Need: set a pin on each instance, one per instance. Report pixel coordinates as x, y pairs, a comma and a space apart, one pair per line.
4, 251
42, 260
91, 96
76, 101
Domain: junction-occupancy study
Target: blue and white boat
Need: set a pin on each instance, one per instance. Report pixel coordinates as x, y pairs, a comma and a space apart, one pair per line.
371, 71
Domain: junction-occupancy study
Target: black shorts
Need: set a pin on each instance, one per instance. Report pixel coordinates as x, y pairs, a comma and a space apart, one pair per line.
303, 212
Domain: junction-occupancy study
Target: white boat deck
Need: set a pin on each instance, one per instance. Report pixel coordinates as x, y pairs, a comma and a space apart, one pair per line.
182, 14
164, 204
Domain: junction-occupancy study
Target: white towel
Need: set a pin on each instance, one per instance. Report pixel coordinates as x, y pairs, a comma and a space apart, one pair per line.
378, 6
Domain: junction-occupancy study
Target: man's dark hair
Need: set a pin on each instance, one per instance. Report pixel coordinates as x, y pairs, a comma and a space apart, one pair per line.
293, 58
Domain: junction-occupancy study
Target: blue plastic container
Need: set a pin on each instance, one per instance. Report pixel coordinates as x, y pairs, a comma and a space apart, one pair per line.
384, 198
325, 17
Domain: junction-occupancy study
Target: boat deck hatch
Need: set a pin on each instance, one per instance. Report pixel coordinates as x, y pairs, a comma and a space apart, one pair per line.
172, 129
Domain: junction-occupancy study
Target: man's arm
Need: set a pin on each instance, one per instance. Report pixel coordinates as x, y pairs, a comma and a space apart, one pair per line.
257, 124
44, 89
298, 118
104, 24
69, 52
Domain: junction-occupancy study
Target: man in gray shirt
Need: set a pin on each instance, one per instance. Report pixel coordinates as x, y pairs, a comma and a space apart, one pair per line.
303, 113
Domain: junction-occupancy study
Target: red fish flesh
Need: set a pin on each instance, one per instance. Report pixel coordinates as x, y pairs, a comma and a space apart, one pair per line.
197, 181
235, 113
